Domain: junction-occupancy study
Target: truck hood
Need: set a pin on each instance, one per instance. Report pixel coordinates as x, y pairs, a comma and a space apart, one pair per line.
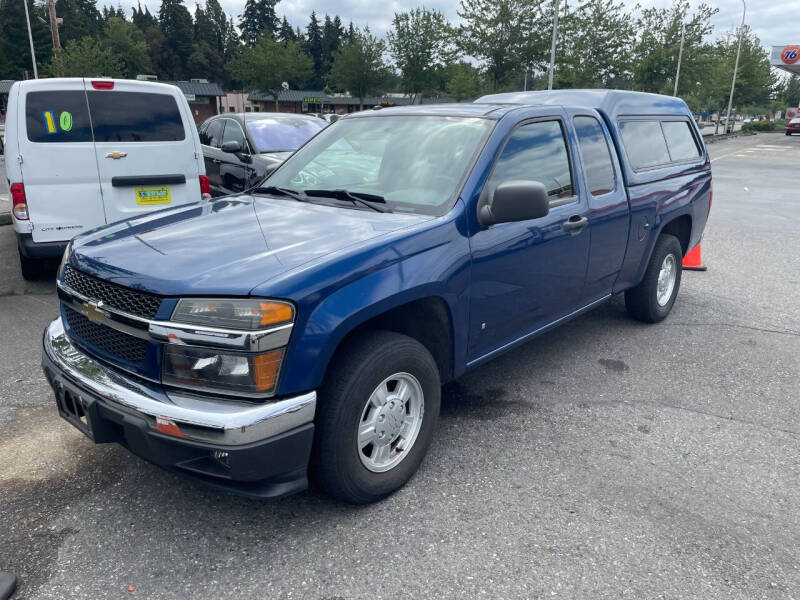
226, 246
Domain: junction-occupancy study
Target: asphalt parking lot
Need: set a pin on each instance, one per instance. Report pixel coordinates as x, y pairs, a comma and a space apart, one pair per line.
605, 459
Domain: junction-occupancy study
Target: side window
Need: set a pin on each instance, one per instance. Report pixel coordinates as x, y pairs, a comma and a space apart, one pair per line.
536, 151
234, 133
135, 117
212, 134
680, 140
644, 142
596, 156
59, 116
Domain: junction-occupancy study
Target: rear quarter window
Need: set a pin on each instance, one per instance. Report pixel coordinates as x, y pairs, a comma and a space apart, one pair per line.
58, 116
680, 140
135, 117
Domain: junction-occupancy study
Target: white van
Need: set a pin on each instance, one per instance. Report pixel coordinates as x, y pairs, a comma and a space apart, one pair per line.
85, 152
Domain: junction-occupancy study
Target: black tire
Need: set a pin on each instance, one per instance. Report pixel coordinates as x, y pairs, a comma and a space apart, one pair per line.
31, 268
641, 301
355, 372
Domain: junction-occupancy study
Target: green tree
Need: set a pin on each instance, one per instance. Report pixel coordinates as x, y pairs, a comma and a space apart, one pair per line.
285, 32
178, 29
14, 38
420, 43
89, 57
164, 61
358, 65
129, 45
463, 81
332, 34
658, 44
81, 18
505, 36
313, 47
206, 62
143, 19
267, 65
596, 49
258, 19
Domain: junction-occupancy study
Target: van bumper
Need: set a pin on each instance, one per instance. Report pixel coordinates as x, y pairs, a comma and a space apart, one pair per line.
32, 249
259, 450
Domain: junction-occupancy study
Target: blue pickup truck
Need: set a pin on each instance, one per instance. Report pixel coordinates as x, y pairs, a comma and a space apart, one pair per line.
303, 330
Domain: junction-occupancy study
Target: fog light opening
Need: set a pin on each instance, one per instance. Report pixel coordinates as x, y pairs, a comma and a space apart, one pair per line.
221, 457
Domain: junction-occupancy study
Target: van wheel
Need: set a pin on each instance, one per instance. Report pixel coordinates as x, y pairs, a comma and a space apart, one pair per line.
652, 300
31, 268
376, 415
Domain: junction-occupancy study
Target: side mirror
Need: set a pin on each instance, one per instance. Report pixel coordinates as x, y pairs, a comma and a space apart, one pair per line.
232, 147
515, 201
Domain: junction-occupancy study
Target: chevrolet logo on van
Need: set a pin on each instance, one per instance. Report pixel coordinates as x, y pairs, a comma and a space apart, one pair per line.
116, 155
93, 312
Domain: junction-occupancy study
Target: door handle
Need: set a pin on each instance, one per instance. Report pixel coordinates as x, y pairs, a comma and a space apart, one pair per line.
215, 161
575, 223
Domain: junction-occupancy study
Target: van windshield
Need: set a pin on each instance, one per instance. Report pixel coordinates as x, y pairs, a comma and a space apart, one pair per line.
414, 163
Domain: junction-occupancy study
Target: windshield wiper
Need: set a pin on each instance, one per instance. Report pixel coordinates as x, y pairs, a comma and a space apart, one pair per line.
362, 198
280, 191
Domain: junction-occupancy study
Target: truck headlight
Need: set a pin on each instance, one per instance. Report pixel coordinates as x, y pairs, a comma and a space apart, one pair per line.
228, 313
64, 259
223, 371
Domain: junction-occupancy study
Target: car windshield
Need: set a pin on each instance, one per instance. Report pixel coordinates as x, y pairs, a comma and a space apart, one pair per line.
279, 133
413, 163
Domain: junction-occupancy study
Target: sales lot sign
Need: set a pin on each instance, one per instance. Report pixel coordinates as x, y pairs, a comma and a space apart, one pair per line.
786, 58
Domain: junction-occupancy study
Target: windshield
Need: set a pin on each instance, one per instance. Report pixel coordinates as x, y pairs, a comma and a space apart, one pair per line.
275, 134
413, 163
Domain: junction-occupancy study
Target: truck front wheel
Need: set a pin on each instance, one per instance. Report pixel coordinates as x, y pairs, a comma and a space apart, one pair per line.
652, 300
376, 415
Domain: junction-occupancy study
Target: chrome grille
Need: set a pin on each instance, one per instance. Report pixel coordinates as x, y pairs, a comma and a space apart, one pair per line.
109, 340
116, 296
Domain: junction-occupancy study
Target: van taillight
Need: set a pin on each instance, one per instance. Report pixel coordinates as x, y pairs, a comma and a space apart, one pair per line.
19, 205
205, 187
103, 84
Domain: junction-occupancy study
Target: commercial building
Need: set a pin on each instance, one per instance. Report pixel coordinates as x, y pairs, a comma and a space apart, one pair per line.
314, 101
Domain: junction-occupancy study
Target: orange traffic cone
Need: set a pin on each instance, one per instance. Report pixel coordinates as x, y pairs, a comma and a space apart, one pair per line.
693, 261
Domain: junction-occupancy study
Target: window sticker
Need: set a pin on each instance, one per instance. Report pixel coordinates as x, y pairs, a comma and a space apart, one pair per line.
49, 122
65, 120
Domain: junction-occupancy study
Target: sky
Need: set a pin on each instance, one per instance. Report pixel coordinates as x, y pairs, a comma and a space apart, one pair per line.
774, 21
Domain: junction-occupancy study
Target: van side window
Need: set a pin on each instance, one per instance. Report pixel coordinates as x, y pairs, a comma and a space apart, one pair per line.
536, 151
644, 142
59, 116
211, 135
680, 141
135, 117
596, 156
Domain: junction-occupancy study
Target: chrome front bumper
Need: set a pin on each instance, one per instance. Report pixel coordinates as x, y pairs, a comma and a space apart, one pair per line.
220, 421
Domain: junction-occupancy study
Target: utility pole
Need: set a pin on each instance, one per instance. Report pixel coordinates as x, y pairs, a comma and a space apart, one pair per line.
553, 46
30, 39
51, 7
680, 56
735, 68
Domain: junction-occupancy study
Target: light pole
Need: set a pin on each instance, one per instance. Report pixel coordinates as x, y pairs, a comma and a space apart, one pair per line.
553, 46
680, 56
735, 68
30, 39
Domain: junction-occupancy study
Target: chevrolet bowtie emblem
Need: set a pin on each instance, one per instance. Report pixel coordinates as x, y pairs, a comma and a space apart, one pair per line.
93, 312
116, 155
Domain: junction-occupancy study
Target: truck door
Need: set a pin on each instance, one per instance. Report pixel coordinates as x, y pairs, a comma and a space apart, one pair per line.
59, 170
608, 203
145, 148
527, 274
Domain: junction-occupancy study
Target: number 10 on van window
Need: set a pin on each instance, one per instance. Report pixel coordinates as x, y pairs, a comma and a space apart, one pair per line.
49, 122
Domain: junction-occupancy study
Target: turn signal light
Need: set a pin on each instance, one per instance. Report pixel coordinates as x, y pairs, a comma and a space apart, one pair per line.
19, 204
205, 187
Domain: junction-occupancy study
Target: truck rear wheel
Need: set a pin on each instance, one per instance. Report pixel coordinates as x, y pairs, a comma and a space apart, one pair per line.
652, 300
376, 415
